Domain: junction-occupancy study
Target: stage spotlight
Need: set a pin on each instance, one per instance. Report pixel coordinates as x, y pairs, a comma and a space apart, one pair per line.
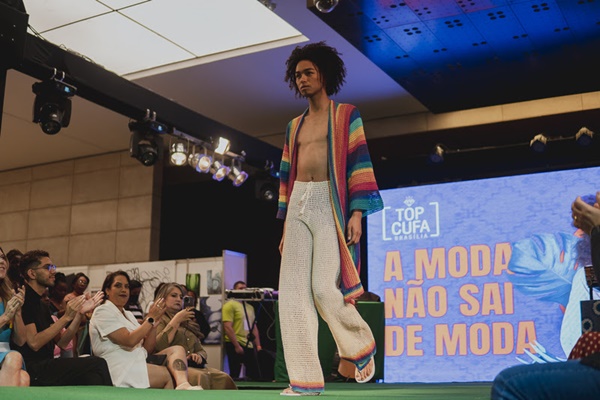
146, 144
179, 153
267, 190
223, 146
204, 162
219, 170
52, 105
584, 137
538, 143
326, 6
437, 154
236, 175
193, 158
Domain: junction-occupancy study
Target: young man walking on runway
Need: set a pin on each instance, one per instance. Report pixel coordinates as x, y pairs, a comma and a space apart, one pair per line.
327, 186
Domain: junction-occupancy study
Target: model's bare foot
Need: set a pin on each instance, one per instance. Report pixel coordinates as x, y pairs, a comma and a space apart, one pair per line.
367, 373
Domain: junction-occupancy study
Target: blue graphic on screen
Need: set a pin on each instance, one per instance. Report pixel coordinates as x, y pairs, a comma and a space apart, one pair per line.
481, 275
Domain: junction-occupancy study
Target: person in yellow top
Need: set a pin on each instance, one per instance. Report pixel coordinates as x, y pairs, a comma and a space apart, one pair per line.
240, 343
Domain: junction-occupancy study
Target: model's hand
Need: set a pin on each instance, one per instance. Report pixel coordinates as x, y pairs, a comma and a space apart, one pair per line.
91, 303
74, 306
157, 310
585, 217
184, 315
354, 228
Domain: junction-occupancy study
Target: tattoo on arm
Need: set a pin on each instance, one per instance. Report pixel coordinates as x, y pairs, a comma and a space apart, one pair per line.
179, 365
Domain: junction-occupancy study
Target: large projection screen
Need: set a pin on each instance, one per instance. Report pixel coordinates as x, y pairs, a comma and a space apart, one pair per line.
479, 275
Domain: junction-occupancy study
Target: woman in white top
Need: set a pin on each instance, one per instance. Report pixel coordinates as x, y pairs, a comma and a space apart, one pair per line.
125, 344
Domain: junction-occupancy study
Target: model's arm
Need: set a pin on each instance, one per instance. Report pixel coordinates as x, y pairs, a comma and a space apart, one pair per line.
354, 228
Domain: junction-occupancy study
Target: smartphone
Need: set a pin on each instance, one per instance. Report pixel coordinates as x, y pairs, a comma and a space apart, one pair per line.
188, 301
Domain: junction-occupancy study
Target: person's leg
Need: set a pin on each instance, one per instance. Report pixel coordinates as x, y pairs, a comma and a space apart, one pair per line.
159, 376
558, 380
219, 380
10, 370
251, 363
352, 334
177, 366
234, 360
24, 378
297, 314
201, 377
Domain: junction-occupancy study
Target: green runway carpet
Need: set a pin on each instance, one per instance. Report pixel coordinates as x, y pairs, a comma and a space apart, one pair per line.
258, 391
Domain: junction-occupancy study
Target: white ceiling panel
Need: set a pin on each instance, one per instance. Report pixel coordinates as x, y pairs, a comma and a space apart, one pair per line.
49, 14
206, 26
118, 44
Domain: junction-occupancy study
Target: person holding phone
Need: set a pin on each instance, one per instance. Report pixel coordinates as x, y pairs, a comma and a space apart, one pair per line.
177, 326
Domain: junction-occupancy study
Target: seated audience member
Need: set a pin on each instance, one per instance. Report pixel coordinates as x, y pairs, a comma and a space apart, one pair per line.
133, 305
200, 318
14, 257
150, 303
12, 372
178, 327
238, 317
79, 285
57, 293
43, 333
575, 378
125, 344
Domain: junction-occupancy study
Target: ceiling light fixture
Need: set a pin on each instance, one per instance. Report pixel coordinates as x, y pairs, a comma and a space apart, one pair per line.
584, 137
538, 143
236, 175
326, 6
146, 144
179, 153
219, 170
223, 146
204, 162
52, 105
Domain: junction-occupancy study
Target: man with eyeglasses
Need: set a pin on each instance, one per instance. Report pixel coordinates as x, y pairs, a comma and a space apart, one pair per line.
43, 333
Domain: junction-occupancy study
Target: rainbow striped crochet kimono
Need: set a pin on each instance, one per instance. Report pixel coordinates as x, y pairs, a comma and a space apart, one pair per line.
352, 182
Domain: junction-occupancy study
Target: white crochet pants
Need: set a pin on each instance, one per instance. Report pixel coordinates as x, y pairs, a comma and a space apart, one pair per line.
309, 282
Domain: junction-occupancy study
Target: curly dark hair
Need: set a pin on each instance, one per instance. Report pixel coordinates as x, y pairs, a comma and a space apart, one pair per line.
326, 59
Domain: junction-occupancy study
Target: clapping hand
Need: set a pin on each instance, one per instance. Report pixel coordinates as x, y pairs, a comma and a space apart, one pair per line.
15, 303
73, 307
91, 303
157, 310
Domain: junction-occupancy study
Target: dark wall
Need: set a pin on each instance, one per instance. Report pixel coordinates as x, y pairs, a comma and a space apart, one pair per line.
201, 217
